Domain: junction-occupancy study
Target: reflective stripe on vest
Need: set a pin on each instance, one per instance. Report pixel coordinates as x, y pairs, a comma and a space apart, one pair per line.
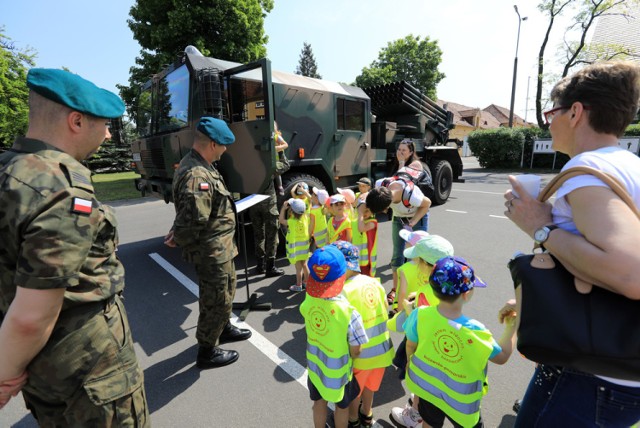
395, 323
328, 359
319, 227
368, 297
449, 366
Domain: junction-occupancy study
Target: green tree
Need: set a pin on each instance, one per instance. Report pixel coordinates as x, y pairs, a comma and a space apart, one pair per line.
411, 59
14, 94
575, 50
307, 64
227, 29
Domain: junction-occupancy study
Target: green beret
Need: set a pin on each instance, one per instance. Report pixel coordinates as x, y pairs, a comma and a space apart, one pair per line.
216, 129
74, 92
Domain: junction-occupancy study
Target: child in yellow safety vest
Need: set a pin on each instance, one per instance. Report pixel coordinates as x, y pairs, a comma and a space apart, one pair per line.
368, 227
318, 218
294, 216
447, 349
335, 335
368, 297
339, 224
422, 250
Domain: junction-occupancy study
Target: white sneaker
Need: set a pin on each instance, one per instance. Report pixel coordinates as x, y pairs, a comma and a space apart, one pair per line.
406, 416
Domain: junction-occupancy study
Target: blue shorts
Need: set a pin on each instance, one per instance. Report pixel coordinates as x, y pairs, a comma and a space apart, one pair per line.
351, 392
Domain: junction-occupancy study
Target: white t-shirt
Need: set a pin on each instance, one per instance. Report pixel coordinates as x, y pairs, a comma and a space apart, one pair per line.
411, 194
620, 163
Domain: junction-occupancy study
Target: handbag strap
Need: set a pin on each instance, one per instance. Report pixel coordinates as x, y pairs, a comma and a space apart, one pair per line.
608, 179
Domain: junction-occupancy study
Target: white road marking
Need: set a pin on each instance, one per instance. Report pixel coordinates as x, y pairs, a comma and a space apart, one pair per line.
479, 191
456, 211
275, 354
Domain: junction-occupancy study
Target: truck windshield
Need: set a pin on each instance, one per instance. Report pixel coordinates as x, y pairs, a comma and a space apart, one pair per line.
173, 100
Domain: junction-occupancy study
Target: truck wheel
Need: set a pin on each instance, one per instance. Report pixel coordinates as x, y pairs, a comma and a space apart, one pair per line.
290, 180
442, 180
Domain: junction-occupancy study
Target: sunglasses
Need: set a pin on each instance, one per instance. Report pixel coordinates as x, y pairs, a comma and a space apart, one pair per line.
550, 114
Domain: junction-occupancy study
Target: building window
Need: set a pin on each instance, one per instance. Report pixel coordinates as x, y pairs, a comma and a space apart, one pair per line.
260, 104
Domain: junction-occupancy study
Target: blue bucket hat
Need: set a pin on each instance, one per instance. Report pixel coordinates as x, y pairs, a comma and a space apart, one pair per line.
453, 276
351, 254
216, 129
74, 92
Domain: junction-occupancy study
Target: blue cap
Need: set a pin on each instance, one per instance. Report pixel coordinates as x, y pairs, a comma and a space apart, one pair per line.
453, 276
74, 92
351, 254
327, 269
216, 129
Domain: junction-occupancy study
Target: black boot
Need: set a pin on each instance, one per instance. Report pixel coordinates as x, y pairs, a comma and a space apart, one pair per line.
213, 357
272, 270
260, 266
231, 333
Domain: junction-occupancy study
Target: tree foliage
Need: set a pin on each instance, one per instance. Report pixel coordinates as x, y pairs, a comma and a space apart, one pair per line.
575, 50
307, 64
410, 59
14, 94
227, 29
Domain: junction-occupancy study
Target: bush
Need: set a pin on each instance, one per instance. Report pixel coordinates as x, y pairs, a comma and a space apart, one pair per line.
497, 148
632, 131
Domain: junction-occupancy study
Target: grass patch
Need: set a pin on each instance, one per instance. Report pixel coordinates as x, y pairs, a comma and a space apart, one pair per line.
115, 186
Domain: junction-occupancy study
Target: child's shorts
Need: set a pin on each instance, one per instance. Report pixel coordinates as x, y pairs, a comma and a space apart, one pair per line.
351, 392
434, 417
370, 379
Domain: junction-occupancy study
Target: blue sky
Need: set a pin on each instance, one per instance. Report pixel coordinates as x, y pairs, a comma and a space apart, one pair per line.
478, 40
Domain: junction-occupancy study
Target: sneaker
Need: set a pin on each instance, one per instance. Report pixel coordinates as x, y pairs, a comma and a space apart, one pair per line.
406, 417
296, 288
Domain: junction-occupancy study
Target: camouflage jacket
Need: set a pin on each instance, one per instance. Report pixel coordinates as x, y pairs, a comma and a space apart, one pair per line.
54, 233
205, 220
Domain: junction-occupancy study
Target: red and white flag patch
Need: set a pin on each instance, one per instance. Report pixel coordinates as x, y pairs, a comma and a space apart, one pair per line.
81, 206
203, 186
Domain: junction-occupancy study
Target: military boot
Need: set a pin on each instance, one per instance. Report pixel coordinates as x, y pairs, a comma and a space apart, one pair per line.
260, 266
231, 333
211, 357
272, 270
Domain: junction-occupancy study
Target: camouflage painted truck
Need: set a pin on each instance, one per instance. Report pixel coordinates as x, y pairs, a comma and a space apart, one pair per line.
336, 133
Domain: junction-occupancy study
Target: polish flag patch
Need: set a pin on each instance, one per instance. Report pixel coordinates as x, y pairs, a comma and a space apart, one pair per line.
203, 186
81, 206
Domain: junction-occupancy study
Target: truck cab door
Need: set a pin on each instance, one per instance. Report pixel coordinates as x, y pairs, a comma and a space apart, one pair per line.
352, 139
250, 162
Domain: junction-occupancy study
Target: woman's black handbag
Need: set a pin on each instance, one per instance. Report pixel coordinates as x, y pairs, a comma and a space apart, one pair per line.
597, 332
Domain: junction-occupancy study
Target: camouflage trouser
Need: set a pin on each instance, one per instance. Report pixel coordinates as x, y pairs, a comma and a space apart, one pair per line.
87, 375
217, 282
265, 230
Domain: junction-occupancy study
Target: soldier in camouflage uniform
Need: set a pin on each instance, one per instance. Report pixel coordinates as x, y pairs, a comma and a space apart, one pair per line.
65, 339
264, 220
204, 228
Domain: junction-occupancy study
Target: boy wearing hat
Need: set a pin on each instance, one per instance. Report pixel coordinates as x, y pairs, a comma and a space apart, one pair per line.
204, 228
61, 282
368, 227
317, 218
364, 185
446, 349
339, 224
293, 216
368, 297
335, 334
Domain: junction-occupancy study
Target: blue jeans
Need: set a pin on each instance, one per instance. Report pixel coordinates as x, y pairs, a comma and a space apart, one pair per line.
397, 258
562, 397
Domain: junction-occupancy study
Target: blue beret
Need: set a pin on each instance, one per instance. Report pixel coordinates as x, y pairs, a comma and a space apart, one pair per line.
216, 129
74, 92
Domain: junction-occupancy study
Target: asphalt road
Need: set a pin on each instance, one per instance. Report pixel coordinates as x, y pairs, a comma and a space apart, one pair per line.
267, 386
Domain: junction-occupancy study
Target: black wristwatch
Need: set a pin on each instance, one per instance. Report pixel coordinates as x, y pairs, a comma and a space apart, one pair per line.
541, 235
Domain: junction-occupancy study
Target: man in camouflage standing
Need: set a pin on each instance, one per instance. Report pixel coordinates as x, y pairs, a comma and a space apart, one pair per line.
65, 339
204, 228
264, 220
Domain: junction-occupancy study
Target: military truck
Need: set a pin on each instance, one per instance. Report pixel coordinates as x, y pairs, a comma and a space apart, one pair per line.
337, 133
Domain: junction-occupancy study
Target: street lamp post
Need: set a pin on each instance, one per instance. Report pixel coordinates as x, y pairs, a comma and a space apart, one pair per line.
515, 68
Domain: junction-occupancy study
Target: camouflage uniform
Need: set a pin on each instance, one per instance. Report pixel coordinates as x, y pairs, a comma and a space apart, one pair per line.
204, 228
264, 220
55, 234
